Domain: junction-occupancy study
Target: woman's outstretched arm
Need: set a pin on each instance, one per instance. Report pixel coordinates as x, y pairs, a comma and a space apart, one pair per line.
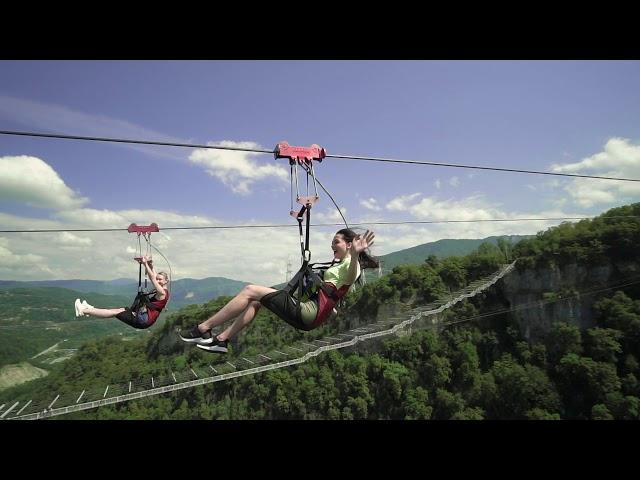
151, 273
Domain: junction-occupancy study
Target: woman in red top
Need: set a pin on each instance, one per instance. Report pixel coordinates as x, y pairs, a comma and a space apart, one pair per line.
143, 317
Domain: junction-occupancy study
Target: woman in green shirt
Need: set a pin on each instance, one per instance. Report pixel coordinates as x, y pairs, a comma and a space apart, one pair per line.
315, 308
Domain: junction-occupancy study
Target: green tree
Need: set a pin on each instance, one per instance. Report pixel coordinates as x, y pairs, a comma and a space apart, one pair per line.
562, 339
520, 389
541, 414
602, 344
447, 404
583, 383
469, 413
417, 404
453, 272
505, 247
437, 371
600, 412
622, 313
623, 407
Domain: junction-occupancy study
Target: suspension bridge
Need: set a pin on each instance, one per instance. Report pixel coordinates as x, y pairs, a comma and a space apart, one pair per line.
296, 353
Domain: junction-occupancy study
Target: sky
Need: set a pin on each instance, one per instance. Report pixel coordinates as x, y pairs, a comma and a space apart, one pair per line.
555, 116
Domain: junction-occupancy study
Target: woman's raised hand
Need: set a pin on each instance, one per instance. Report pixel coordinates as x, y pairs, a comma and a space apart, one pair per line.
362, 242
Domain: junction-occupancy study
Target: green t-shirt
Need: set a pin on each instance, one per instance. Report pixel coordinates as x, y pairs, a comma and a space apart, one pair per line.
337, 274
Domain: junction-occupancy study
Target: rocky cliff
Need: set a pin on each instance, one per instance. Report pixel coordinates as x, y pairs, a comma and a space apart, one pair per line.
560, 293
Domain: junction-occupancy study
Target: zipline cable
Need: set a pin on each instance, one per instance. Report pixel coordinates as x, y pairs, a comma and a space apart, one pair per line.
344, 157
409, 222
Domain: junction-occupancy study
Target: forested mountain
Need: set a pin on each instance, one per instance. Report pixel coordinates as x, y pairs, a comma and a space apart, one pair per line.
442, 249
185, 291
486, 365
35, 318
188, 291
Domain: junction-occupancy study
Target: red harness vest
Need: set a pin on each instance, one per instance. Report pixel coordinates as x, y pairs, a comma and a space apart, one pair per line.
326, 303
155, 307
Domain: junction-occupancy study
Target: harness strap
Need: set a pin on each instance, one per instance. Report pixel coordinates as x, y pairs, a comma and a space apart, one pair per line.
144, 299
297, 282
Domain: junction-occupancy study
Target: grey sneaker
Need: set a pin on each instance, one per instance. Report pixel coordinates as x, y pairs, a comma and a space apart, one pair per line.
215, 346
194, 335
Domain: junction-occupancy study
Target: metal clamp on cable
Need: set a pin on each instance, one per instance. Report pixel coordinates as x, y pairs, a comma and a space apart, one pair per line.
301, 157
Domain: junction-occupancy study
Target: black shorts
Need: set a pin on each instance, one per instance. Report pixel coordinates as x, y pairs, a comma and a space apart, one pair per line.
286, 307
135, 321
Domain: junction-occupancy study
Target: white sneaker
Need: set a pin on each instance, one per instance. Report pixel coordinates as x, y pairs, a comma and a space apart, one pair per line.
84, 306
78, 307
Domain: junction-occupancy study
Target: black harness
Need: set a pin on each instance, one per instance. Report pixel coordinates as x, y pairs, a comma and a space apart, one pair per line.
310, 275
143, 300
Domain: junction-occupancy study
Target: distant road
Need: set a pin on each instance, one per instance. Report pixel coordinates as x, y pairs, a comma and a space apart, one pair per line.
48, 349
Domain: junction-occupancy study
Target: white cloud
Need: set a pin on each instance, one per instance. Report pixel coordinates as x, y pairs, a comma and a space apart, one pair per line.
473, 207
392, 238
454, 181
237, 170
99, 255
403, 202
397, 237
586, 194
269, 266
256, 255
92, 218
32, 181
371, 204
620, 158
619, 154
560, 202
13, 222
69, 239
10, 260
329, 215
253, 255
437, 183
466, 209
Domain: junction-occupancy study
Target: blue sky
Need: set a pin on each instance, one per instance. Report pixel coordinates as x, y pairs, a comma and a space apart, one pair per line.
564, 116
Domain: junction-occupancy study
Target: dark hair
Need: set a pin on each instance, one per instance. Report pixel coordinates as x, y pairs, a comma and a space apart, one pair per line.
366, 259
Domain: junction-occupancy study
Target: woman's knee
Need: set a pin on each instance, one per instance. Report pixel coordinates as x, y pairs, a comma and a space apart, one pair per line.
252, 291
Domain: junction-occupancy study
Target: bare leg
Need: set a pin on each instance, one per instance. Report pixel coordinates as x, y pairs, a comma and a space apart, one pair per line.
103, 312
239, 303
241, 322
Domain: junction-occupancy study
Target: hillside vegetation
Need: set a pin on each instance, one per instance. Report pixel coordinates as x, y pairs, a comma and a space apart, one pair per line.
483, 368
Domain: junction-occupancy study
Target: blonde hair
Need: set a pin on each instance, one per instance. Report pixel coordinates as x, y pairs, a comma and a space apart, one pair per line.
165, 275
